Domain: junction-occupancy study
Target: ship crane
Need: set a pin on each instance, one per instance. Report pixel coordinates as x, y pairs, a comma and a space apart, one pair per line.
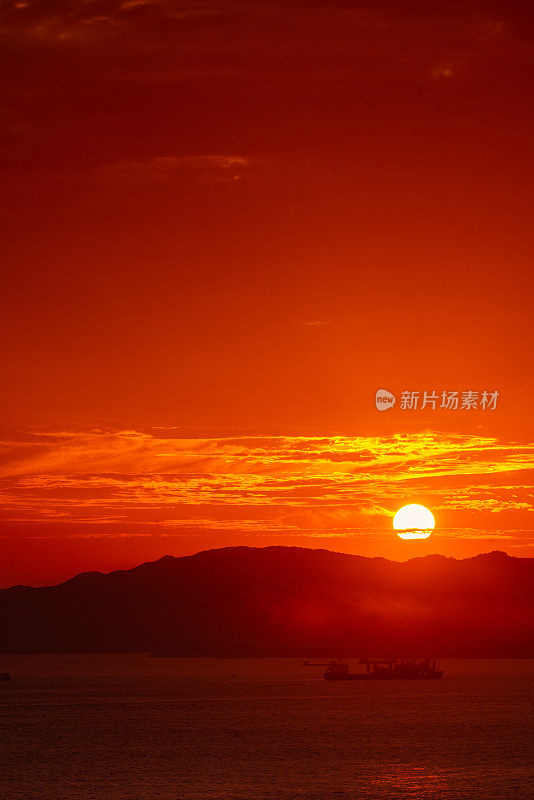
369, 662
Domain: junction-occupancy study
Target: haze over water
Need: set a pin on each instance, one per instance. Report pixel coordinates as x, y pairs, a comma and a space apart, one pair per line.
128, 727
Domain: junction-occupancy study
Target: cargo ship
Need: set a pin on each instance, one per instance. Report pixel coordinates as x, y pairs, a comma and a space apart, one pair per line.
376, 669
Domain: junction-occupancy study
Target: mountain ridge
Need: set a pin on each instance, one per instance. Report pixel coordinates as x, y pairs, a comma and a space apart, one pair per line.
282, 601
169, 557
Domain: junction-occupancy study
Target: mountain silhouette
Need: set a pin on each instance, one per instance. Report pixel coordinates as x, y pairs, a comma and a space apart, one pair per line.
282, 601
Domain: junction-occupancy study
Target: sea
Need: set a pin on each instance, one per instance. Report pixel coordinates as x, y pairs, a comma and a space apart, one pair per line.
131, 727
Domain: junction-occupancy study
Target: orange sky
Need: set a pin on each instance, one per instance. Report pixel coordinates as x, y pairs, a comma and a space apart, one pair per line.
224, 227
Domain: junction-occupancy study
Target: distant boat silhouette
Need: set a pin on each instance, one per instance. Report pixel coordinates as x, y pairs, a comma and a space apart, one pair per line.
385, 669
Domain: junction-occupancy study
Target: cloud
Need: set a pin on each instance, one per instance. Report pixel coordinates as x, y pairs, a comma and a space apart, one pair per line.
443, 72
169, 169
325, 485
129, 4
69, 20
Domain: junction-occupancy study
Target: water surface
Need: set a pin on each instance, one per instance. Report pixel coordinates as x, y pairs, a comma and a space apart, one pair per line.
128, 727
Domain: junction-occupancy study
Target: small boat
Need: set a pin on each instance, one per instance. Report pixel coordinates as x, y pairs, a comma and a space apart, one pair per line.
377, 669
5, 676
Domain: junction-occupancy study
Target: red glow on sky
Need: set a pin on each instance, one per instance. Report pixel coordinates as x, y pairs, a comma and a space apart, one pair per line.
224, 228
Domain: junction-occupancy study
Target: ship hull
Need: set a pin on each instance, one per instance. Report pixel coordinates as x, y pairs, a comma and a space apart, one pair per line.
349, 677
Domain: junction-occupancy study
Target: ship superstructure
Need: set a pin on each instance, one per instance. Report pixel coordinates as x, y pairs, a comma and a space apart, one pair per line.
385, 669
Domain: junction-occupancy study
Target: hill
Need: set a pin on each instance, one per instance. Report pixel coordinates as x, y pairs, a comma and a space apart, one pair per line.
282, 601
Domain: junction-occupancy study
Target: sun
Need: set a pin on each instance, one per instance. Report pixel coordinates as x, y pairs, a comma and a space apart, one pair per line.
414, 522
